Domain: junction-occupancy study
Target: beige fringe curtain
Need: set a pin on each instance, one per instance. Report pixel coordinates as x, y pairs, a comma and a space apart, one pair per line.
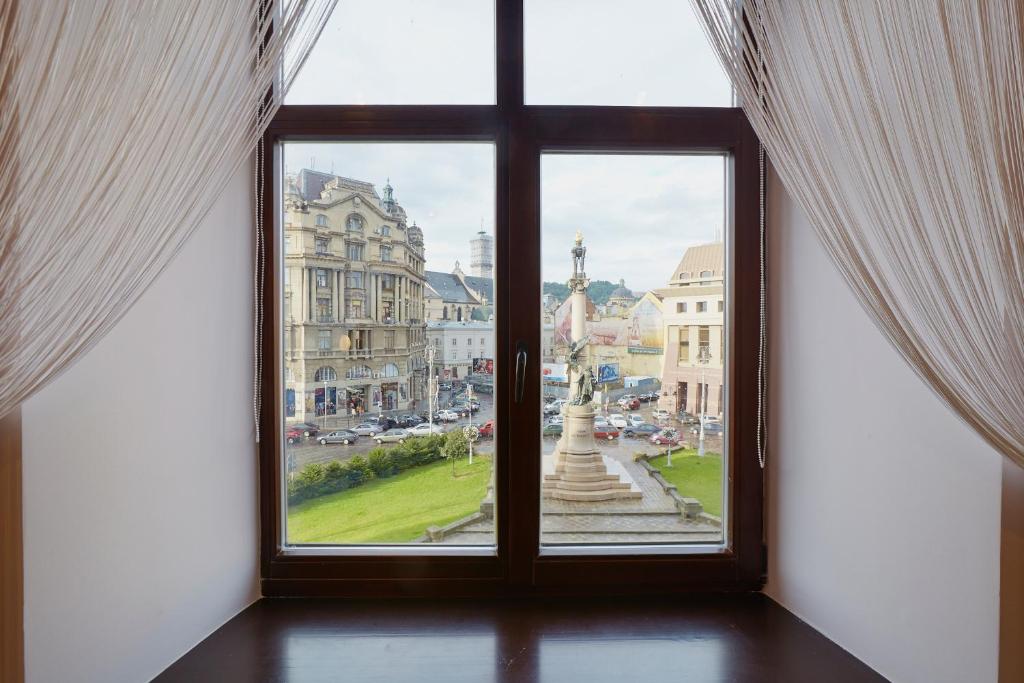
898, 127
120, 123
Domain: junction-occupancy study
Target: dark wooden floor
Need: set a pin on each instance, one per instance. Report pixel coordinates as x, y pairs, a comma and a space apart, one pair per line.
716, 638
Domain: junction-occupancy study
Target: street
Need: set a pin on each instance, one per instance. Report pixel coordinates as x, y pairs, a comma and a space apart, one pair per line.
309, 450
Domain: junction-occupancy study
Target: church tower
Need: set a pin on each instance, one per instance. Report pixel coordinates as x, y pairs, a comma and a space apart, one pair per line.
481, 259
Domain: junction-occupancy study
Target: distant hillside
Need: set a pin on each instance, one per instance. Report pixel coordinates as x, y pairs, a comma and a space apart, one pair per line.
599, 290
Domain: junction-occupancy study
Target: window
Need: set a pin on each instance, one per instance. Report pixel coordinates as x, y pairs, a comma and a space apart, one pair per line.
706, 274
385, 230
323, 246
681, 307
528, 170
325, 340
721, 306
321, 277
683, 354
354, 279
354, 307
323, 310
702, 306
389, 340
321, 220
325, 374
387, 282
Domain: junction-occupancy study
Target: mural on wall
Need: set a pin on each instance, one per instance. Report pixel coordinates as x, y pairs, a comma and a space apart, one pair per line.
644, 328
639, 332
483, 366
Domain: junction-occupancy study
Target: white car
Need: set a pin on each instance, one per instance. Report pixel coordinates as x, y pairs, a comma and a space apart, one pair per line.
424, 429
555, 407
555, 420
618, 420
448, 416
600, 420
661, 415
634, 419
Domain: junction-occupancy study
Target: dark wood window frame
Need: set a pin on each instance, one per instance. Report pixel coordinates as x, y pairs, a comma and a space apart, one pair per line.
521, 134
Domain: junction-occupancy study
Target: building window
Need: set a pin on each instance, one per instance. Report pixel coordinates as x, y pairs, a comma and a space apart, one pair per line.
322, 246
359, 372
389, 340
385, 230
681, 307
354, 279
721, 306
323, 310
321, 278
355, 252
385, 253
287, 244
704, 341
390, 370
683, 355
325, 340
354, 307
321, 220
706, 274
354, 223
702, 306
455, 342
387, 282
325, 374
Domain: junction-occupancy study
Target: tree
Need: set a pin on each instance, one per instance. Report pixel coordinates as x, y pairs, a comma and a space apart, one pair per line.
456, 446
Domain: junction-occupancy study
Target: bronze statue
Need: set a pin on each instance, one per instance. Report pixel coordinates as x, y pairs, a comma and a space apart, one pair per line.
584, 388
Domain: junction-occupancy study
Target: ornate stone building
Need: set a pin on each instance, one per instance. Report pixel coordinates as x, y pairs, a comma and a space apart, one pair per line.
694, 317
353, 307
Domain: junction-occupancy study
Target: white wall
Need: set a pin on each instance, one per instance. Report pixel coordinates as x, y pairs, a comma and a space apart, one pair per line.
140, 473
884, 509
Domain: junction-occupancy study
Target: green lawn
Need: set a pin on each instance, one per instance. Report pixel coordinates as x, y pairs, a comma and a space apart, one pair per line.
393, 510
695, 477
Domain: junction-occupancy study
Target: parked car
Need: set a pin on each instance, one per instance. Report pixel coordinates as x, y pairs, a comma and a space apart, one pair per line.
666, 437
555, 407
293, 435
392, 435
635, 419
641, 430
367, 429
601, 420
605, 432
661, 415
688, 419
551, 429
407, 421
555, 420
462, 409
629, 402
447, 416
648, 396
425, 429
618, 420
307, 428
711, 428
487, 429
445, 386
344, 436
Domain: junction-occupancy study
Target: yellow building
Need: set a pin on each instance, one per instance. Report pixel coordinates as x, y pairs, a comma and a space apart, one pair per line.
353, 307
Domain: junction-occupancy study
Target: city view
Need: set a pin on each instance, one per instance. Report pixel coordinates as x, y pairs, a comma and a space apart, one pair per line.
388, 323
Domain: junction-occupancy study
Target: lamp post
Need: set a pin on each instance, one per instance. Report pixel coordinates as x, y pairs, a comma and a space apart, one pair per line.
704, 356
431, 351
325, 402
469, 402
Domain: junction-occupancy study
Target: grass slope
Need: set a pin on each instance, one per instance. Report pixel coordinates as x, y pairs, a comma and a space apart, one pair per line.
695, 477
393, 510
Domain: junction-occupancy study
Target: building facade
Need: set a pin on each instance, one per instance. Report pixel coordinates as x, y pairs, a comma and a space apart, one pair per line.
353, 310
694, 317
459, 348
458, 297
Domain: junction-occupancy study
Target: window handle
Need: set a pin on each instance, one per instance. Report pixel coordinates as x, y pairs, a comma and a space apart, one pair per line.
520, 369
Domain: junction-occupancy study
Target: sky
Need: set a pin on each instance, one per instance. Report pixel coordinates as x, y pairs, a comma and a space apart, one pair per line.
638, 213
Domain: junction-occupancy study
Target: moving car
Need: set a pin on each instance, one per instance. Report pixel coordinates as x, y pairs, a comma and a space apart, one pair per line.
666, 437
605, 432
711, 428
641, 430
392, 435
344, 436
618, 420
487, 429
367, 429
307, 429
425, 429
551, 429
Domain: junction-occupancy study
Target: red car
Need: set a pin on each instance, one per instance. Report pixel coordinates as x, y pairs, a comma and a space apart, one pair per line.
630, 403
293, 435
666, 438
487, 428
605, 432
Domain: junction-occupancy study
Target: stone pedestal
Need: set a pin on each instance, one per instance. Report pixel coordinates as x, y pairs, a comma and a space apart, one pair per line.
580, 473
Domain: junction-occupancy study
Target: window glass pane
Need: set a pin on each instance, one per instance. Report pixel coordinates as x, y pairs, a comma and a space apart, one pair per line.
605, 52
632, 449
401, 52
389, 432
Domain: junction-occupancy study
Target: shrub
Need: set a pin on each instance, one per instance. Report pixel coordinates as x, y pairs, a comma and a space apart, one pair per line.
456, 446
381, 462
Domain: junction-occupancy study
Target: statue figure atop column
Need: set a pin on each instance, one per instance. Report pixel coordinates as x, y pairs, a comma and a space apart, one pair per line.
579, 255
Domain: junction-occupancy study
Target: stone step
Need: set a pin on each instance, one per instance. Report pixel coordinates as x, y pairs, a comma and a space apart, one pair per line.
582, 476
582, 496
572, 485
589, 467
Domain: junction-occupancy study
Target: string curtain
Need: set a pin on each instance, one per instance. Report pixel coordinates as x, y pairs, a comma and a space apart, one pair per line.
120, 124
898, 128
